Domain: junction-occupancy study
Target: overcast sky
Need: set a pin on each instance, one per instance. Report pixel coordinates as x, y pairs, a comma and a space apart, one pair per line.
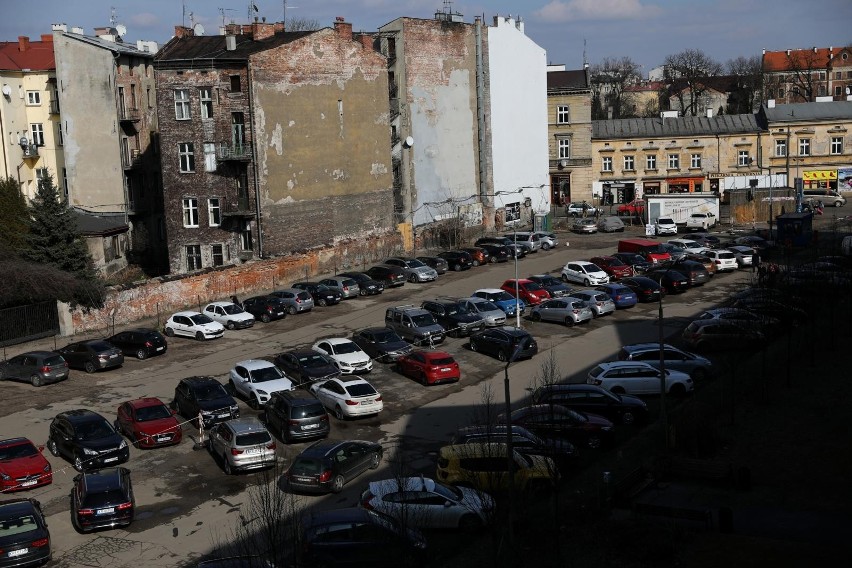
645, 30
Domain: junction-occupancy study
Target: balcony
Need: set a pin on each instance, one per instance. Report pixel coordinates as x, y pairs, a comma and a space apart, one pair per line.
54, 107
30, 150
394, 108
132, 159
129, 115
238, 152
238, 207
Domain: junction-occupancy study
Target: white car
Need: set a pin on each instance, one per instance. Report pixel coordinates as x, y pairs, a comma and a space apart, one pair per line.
348, 397
743, 254
701, 221
599, 302
725, 260
493, 316
346, 354
637, 377
665, 226
229, 314
193, 324
584, 272
256, 380
689, 245
425, 503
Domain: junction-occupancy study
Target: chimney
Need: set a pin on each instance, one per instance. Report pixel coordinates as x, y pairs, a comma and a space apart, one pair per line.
78, 31
59, 27
262, 30
788, 52
230, 42
343, 29
366, 40
709, 113
23, 43
46, 37
183, 31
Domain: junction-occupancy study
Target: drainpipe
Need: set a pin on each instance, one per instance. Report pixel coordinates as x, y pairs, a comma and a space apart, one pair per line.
254, 161
480, 112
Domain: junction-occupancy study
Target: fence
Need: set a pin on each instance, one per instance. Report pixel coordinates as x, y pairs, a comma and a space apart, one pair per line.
25, 323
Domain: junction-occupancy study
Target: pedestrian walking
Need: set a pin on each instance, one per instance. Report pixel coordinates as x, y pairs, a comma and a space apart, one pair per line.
585, 209
755, 261
236, 301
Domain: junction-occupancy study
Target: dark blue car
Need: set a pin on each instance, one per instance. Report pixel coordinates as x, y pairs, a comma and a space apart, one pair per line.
622, 296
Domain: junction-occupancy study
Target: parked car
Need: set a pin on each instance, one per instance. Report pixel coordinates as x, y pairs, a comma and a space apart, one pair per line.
694, 271
327, 465
86, 439
554, 286
586, 273
637, 378
478, 255
502, 299
297, 301
516, 250
439, 264
766, 325
530, 292
102, 499
577, 209
348, 397
610, 224
720, 334
256, 379
569, 311
599, 302
689, 245
709, 264
563, 453
36, 367
193, 324
635, 208
636, 261
349, 287
22, 466
788, 315
429, 367
265, 308
295, 416
140, 343
548, 240
614, 266
665, 226
229, 314
207, 397
382, 344
306, 366
321, 294
646, 290
724, 259
488, 310
556, 421
700, 221
454, 316
24, 538
672, 280
675, 252
242, 444
743, 254
390, 276
415, 270
621, 408
707, 240
622, 296
92, 355
484, 466
367, 285
696, 366
504, 342
425, 503
526, 239
148, 423
415, 325
497, 253
759, 244
346, 354
585, 225
457, 259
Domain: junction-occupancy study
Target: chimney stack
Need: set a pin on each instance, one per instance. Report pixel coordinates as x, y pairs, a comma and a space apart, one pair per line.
23, 43
366, 40
183, 31
343, 29
262, 30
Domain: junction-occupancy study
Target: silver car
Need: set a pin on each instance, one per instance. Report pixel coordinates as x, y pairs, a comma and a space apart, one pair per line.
569, 311
242, 444
415, 270
487, 309
743, 254
585, 225
346, 286
599, 302
297, 301
548, 240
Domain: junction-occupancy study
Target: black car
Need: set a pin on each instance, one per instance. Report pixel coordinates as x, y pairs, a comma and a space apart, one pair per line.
37, 367
356, 536
326, 466
367, 286
140, 343
307, 366
296, 415
554, 286
453, 315
646, 289
24, 538
205, 396
695, 272
86, 439
636, 261
265, 308
92, 355
382, 344
563, 452
322, 294
621, 408
503, 341
789, 316
497, 253
673, 281
439, 264
390, 276
102, 499
458, 260
514, 249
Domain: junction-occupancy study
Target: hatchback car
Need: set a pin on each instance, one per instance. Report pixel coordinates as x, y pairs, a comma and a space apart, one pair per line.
621, 295
102, 499
502, 299
478, 255
724, 259
586, 273
599, 302
587, 225
637, 378
743, 254
148, 423
672, 280
92, 355
505, 343
439, 264
256, 380
265, 308
367, 286
497, 253
229, 314
695, 272
241, 444
36, 367
205, 397
382, 344
415, 270
429, 367
326, 466
297, 301
528, 240
457, 260
140, 343
346, 354
720, 334
493, 316
620, 408
349, 287
306, 366
529, 291
695, 366
548, 240
614, 266
348, 397
295, 416
22, 466
87, 440
193, 324
555, 421
516, 250
566, 310
390, 276
485, 466
24, 538
321, 294
554, 286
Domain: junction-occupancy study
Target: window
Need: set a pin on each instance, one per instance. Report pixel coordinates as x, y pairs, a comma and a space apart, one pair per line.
190, 212
629, 163
218, 254
650, 162
513, 212
65, 183
674, 161
796, 90
148, 96
182, 104
822, 75
838, 74
695, 161
781, 92
209, 157
836, 145
607, 164
206, 102
742, 158
41, 176
238, 130
235, 84
59, 137
245, 238
115, 246
33, 98
186, 153
562, 114
564, 148
780, 148
838, 90
822, 91
193, 257
214, 212
38, 133
804, 146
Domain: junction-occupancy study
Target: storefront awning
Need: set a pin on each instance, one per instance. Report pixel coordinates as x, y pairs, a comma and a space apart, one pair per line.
819, 175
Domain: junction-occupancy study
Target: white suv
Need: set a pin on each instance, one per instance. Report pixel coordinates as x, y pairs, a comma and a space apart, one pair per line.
585, 273
701, 221
229, 314
665, 226
256, 380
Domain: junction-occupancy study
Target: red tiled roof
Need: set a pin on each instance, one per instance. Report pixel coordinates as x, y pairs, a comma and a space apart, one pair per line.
813, 58
38, 56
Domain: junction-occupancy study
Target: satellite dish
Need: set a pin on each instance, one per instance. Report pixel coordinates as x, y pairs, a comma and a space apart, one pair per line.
408, 143
7, 90
198, 30
120, 30
24, 141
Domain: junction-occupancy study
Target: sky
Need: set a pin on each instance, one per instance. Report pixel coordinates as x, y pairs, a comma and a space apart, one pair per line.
571, 31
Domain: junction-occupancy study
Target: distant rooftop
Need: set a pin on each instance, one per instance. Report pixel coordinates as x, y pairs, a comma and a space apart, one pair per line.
674, 127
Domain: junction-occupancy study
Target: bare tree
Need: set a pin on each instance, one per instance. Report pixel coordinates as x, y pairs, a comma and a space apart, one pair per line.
609, 81
301, 25
690, 67
748, 72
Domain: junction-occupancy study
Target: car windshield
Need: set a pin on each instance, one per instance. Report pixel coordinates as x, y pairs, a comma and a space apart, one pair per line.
17, 451
423, 320
17, 525
99, 346
386, 337
442, 361
343, 348
313, 361
455, 309
501, 296
200, 319
307, 466
414, 263
448, 491
265, 374
549, 281
484, 306
148, 413
210, 392
94, 430
361, 389
231, 309
54, 360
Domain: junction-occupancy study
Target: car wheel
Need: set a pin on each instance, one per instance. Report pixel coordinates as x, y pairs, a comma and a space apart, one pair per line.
292, 310
89, 367
141, 354
492, 260
337, 484
677, 390
253, 403
421, 378
475, 262
536, 316
170, 332
226, 465
79, 464
473, 347
412, 278
594, 441
569, 321
375, 460
362, 292
199, 336
51, 447
628, 418
338, 413
470, 523
545, 246
698, 375
501, 356
265, 318
586, 282
564, 278
35, 380
230, 325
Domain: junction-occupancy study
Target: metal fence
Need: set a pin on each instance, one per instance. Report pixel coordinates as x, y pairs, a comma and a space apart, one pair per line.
25, 323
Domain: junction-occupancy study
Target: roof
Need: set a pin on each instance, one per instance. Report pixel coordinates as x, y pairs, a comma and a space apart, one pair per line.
674, 127
793, 59
38, 55
189, 48
252, 364
575, 80
796, 112
113, 46
94, 225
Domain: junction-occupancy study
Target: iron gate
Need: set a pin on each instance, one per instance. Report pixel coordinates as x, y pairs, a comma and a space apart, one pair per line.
25, 323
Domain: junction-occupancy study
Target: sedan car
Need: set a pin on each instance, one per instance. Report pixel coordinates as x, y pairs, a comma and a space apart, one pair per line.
457, 259
86, 439
36, 367
478, 255
720, 334
622, 408
92, 355
646, 290
695, 366
614, 266
586, 273
22, 466
425, 503
193, 324
566, 310
346, 354
265, 308
673, 281
321, 294
382, 344
348, 397
724, 259
102, 499
621, 295
530, 292
256, 380
348, 287
587, 225
415, 270
599, 302
140, 343
504, 343
502, 299
242, 444
327, 465
429, 367
486, 309
304, 366
554, 286
556, 421
689, 245
439, 264
148, 423
229, 314
24, 538
297, 301
637, 378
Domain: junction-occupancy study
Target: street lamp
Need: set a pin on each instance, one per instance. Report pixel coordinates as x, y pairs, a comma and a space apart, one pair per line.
510, 453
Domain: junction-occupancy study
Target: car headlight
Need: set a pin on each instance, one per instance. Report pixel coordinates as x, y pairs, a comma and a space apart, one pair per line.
235, 410
262, 392
88, 452
123, 445
207, 413
5, 477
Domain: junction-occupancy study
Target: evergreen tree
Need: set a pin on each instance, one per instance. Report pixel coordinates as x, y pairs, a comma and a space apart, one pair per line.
13, 218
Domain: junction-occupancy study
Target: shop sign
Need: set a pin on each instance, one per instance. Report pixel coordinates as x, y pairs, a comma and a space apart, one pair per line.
819, 175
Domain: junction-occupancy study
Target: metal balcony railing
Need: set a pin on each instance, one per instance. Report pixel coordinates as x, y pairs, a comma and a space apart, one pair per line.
129, 115
240, 152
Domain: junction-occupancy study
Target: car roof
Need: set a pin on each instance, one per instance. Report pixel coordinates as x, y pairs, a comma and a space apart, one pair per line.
489, 290
394, 485
253, 364
15, 442
645, 346
145, 402
581, 262
221, 303
616, 364
322, 448
39, 354
187, 313
509, 330
245, 424
103, 480
80, 415
335, 340
199, 380
17, 506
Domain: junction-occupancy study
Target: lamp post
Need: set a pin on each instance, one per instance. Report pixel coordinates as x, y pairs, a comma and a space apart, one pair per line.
664, 418
510, 453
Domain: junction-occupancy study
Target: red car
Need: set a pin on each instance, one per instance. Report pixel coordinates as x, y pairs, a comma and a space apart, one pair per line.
615, 267
635, 208
148, 423
429, 367
478, 254
530, 292
22, 466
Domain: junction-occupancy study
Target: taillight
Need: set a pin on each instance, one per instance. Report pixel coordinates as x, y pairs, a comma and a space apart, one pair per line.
125, 506
270, 446
597, 382
352, 402
325, 476
365, 500
298, 300
576, 311
294, 422
85, 512
236, 452
378, 399
346, 288
148, 344
45, 369
40, 542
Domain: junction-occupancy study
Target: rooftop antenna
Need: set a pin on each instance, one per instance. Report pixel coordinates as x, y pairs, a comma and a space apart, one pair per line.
585, 61
112, 16
252, 9
183, 14
222, 12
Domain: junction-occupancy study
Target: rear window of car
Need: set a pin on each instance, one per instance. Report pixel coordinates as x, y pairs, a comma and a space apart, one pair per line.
361, 389
303, 296
253, 439
443, 361
100, 346
307, 466
308, 411
349, 282
54, 360
111, 497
